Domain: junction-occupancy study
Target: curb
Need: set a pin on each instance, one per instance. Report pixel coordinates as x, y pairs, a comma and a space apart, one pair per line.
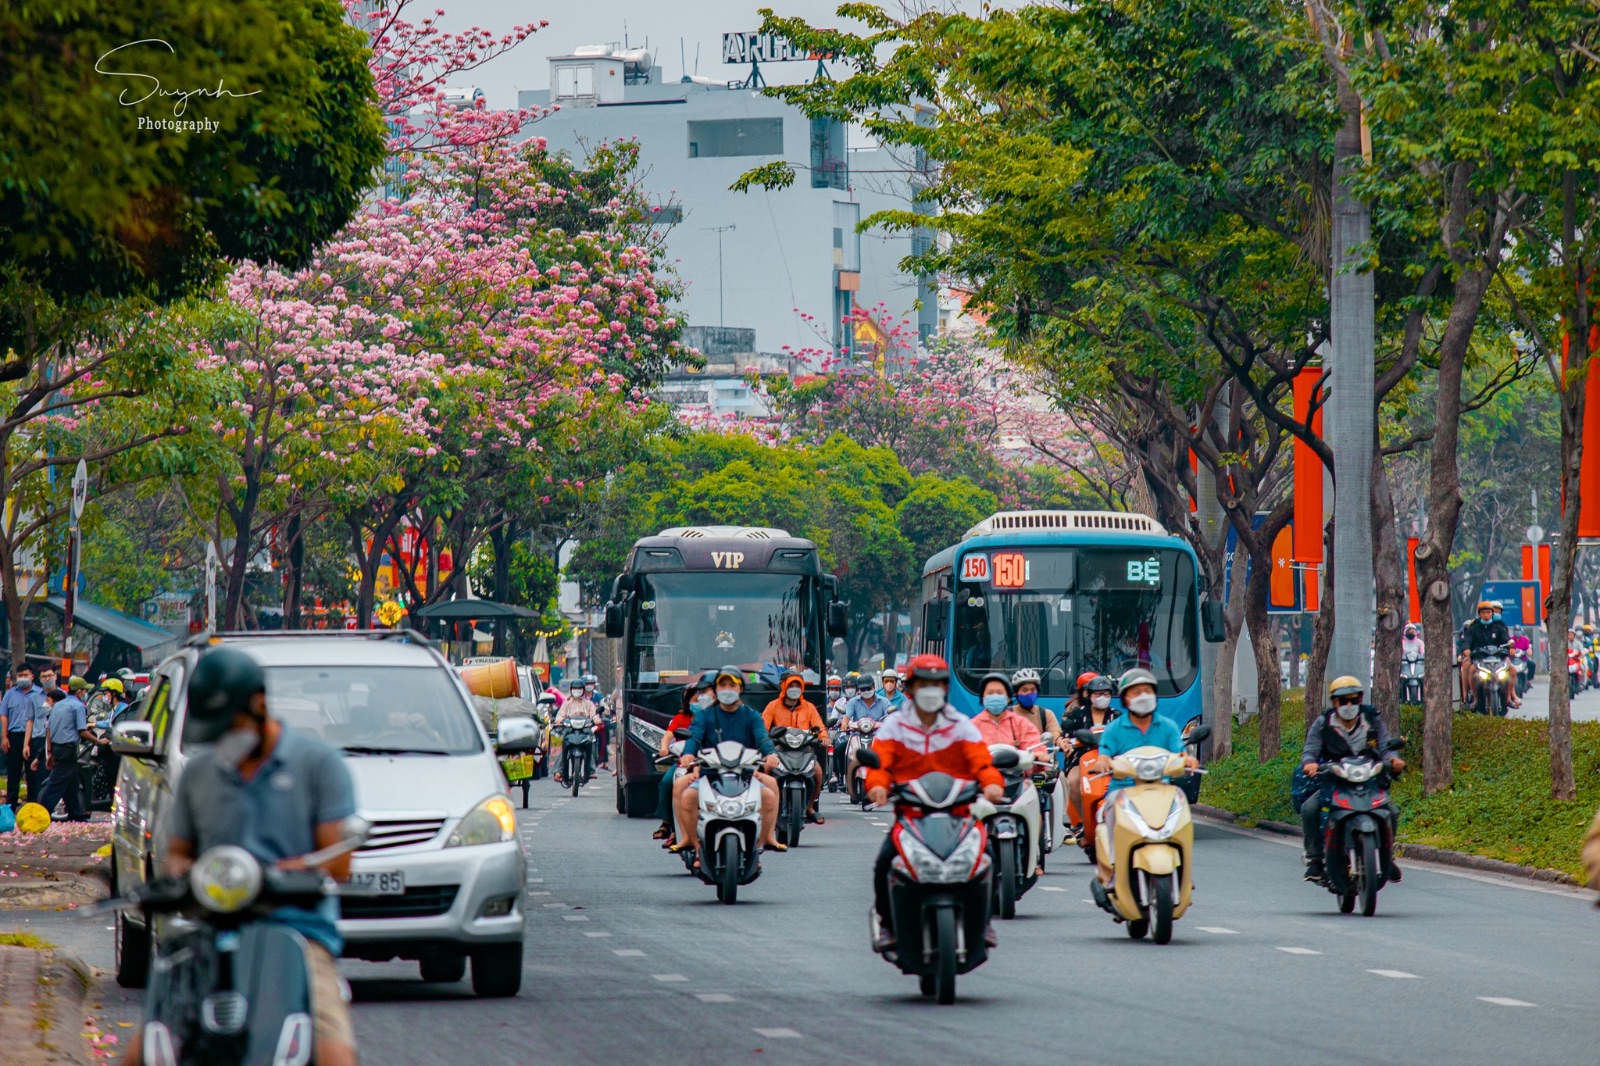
70, 978
1423, 852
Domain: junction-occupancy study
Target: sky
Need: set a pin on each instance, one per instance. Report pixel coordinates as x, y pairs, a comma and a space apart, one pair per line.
698, 23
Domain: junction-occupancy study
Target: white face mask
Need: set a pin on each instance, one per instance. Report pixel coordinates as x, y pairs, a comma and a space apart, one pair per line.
1348, 712
704, 700
727, 696
791, 697
930, 698
235, 746
1100, 702
1142, 704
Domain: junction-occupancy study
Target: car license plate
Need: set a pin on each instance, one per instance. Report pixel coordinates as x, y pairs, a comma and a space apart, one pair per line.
376, 883
518, 767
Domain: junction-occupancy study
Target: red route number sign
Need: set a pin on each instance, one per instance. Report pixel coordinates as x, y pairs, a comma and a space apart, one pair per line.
975, 568
1010, 570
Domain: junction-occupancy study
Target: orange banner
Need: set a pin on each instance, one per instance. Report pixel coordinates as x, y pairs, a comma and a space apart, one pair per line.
1544, 575
1414, 602
1527, 563
1307, 473
1280, 592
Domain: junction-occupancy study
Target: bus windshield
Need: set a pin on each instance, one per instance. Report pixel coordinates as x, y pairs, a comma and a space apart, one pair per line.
689, 622
1065, 611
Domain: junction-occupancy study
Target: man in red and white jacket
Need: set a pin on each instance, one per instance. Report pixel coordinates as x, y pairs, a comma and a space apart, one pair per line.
924, 736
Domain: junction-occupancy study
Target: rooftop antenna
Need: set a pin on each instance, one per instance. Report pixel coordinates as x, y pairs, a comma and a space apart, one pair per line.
683, 61
697, 59
624, 33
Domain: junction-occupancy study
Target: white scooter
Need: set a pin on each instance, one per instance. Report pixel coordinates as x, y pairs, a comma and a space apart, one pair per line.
1014, 828
729, 805
861, 731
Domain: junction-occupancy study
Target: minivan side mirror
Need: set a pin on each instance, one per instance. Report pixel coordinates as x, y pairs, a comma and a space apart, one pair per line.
838, 619
1212, 624
134, 739
614, 620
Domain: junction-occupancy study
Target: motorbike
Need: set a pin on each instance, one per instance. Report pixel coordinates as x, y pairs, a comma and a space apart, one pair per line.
1150, 849
1046, 773
797, 782
1521, 671
860, 740
98, 766
1491, 670
1013, 828
1575, 672
939, 882
1352, 833
838, 761
230, 987
729, 806
1093, 782
1411, 678
577, 752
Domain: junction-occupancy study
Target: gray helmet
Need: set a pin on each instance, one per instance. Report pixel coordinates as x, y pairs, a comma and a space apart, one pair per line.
221, 686
1134, 677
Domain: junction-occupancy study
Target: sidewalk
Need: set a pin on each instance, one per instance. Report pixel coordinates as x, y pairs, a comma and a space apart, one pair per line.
61, 868
41, 1006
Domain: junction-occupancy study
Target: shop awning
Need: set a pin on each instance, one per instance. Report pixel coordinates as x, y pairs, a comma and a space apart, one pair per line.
151, 642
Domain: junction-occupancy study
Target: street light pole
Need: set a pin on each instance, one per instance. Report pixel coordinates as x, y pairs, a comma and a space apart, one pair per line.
722, 317
80, 493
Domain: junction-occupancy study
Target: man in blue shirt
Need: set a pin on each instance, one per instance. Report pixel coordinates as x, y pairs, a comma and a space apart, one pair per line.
17, 708
67, 723
730, 718
1140, 727
890, 690
867, 703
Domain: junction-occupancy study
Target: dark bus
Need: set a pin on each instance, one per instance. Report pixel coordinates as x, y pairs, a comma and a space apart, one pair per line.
697, 598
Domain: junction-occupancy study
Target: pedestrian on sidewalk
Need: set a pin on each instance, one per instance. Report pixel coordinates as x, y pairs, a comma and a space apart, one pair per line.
68, 723
23, 760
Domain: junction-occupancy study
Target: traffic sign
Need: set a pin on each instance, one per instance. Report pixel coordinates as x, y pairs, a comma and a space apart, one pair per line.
80, 489
1519, 600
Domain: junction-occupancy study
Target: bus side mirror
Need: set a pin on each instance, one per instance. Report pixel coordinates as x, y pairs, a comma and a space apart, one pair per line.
838, 618
614, 621
1212, 625
938, 619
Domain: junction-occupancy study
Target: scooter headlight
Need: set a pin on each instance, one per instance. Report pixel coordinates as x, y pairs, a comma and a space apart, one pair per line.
1131, 813
930, 869
226, 879
730, 808
1483, 675
1503, 674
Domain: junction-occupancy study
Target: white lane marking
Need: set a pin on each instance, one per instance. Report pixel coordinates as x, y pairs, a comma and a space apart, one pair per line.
628, 953
1396, 974
574, 917
531, 893
779, 1034
880, 825
1502, 1001
1300, 951
597, 934
1051, 888
535, 880
554, 906
713, 997
1220, 930
667, 978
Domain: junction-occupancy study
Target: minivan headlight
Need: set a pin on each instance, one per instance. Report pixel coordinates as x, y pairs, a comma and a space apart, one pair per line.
490, 822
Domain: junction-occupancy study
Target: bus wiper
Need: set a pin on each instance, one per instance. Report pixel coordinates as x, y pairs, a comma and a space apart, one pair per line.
357, 749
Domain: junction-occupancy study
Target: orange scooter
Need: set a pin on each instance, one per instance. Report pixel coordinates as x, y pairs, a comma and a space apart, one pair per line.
1093, 783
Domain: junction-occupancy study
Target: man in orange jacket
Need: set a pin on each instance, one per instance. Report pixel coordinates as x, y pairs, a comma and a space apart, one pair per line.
924, 736
793, 711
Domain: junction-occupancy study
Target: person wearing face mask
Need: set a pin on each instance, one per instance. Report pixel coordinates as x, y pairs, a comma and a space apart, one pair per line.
1140, 726
577, 708
889, 689
281, 794
1341, 731
1025, 689
1096, 712
793, 711
1478, 637
729, 718
696, 697
925, 736
68, 724
999, 723
18, 707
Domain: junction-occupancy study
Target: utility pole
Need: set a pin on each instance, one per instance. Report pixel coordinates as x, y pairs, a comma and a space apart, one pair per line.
1349, 418
80, 493
722, 318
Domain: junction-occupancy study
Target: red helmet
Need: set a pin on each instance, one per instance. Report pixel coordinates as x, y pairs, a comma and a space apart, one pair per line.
1086, 677
927, 667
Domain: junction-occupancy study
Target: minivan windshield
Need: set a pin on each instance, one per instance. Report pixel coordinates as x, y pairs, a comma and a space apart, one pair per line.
366, 711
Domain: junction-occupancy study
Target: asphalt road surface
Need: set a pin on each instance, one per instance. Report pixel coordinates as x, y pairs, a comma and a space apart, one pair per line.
632, 961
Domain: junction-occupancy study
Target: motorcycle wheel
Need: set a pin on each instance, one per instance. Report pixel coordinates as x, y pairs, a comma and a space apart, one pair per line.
1161, 911
131, 950
1367, 882
945, 961
1006, 881
575, 771
732, 860
1347, 902
1138, 928
925, 984
795, 819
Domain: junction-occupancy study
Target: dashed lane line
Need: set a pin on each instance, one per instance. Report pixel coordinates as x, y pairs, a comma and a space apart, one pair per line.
1220, 930
669, 978
596, 934
1299, 951
628, 953
778, 1034
1502, 1001
1398, 975
713, 997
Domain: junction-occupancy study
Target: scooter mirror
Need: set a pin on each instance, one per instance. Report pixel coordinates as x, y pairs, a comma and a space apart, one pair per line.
776, 730
1199, 734
1395, 744
1087, 737
1007, 760
868, 758
356, 830
683, 732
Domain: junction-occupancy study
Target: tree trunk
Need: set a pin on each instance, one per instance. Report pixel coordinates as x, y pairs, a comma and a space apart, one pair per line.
1269, 690
1321, 637
1393, 599
16, 610
500, 542
243, 515
295, 558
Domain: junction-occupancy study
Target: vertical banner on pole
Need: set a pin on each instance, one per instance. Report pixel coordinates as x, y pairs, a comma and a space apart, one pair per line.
1280, 590
1589, 465
1413, 601
1543, 576
1308, 523
1194, 465
1527, 563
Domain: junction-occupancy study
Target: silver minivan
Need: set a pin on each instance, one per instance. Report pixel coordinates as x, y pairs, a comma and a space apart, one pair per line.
440, 878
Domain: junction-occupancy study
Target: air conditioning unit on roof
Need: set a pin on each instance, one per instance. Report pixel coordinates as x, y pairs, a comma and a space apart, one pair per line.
1067, 521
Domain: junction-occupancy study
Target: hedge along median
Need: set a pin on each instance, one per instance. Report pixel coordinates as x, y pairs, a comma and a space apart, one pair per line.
1500, 806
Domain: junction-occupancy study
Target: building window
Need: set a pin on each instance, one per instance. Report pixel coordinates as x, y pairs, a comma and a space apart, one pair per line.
829, 167
846, 241
735, 136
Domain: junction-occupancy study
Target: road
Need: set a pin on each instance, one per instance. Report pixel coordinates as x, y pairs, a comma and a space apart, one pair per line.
631, 961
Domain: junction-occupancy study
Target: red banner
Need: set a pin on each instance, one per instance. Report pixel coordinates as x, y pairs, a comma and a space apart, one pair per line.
1280, 591
1544, 575
1194, 464
1589, 465
1414, 602
1307, 473
1527, 563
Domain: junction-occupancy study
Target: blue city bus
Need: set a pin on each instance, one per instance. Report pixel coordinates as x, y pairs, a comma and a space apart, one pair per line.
1067, 592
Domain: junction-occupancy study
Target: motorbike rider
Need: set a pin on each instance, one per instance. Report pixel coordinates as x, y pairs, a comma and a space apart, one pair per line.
1484, 632
577, 708
1411, 645
865, 704
697, 696
1025, 695
925, 736
999, 722
835, 698
1139, 726
1341, 731
1098, 712
793, 711
729, 718
889, 689
232, 792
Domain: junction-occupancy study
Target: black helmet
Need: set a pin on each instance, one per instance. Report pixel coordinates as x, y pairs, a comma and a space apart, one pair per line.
220, 687
706, 680
1004, 679
1100, 683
